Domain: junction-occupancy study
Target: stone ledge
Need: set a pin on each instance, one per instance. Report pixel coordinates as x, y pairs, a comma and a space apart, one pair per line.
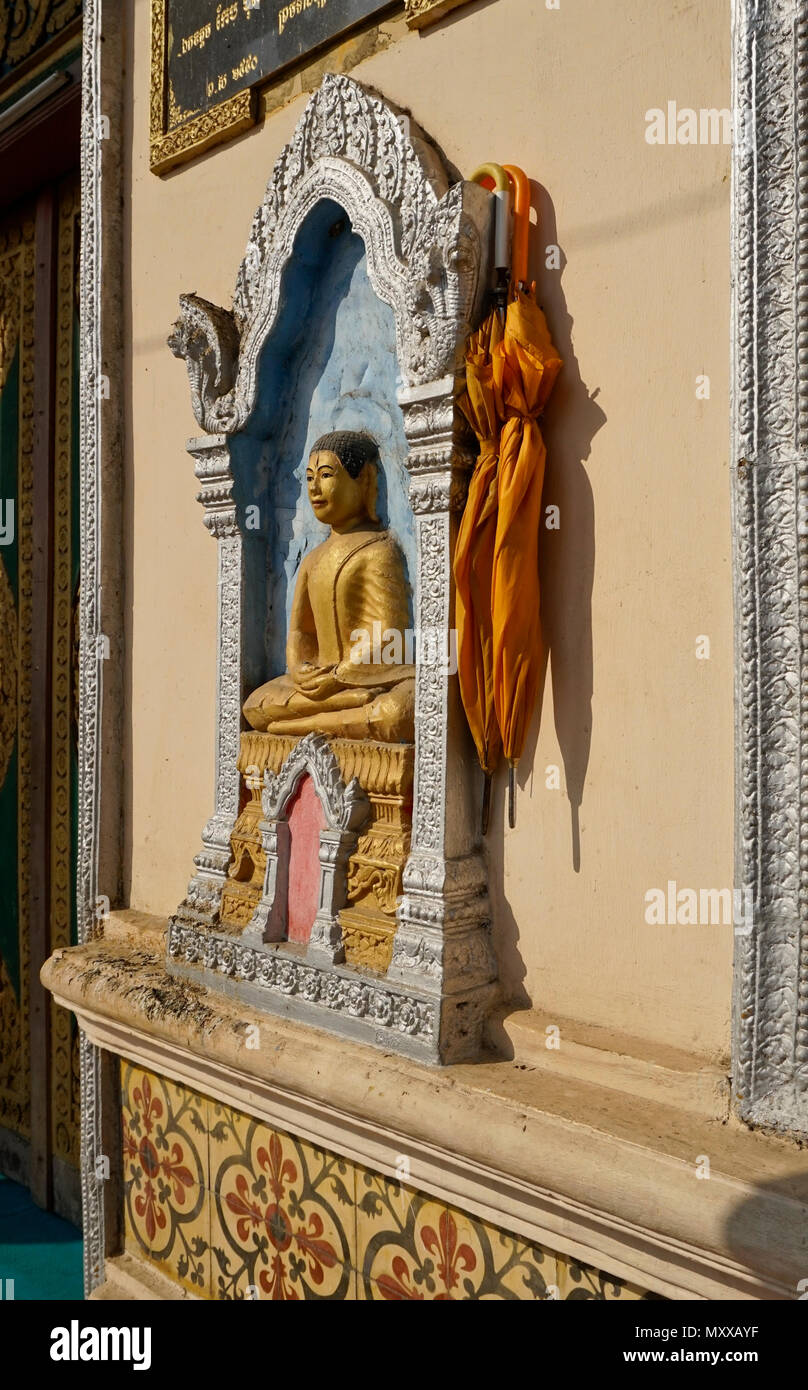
133, 928
661, 1074
130, 1280
599, 1175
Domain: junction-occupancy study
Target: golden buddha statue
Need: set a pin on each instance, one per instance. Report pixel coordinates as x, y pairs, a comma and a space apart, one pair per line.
348, 589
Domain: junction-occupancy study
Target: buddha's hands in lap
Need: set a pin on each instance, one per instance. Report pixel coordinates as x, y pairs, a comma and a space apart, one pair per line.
321, 687
316, 682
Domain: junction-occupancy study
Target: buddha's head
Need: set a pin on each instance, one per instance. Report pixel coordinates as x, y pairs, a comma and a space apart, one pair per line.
343, 477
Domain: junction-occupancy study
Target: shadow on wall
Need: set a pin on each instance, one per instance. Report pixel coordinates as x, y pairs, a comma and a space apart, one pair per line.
567, 556
566, 569
768, 1233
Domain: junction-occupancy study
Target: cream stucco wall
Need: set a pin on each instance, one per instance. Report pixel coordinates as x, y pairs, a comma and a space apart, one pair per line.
640, 729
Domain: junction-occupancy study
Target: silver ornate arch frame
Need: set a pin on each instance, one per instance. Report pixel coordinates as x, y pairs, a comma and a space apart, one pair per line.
427, 239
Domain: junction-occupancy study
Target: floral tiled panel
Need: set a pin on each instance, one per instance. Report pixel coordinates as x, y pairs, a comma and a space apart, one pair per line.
282, 1214
165, 1153
398, 1245
411, 1247
231, 1208
578, 1282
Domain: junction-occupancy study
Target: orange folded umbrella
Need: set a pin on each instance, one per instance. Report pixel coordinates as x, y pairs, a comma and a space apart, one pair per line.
474, 552
527, 367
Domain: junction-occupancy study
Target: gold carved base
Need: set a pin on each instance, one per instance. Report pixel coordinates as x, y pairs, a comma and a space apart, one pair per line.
385, 772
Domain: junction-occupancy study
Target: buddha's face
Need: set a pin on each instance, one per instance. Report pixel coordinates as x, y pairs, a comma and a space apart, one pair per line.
336, 498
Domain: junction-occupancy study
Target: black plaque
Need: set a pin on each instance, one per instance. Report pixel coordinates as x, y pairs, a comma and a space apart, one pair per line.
215, 49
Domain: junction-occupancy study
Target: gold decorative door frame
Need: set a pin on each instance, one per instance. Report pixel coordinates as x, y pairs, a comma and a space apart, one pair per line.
17, 275
64, 1045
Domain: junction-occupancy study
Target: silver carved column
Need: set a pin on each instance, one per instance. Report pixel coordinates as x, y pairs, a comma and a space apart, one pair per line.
770, 543
442, 945
211, 455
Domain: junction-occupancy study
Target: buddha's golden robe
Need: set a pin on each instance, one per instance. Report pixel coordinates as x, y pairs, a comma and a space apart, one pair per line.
351, 584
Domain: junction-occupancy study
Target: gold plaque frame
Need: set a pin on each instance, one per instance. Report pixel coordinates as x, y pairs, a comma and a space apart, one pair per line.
199, 132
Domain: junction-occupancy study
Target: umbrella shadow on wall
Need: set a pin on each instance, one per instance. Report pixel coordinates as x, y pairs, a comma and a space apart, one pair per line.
566, 569
567, 551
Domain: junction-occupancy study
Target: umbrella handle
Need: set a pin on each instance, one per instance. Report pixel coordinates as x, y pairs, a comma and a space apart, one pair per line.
512, 795
494, 173
521, 222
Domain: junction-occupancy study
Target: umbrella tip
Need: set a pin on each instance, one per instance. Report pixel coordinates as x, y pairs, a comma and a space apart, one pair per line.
486, 811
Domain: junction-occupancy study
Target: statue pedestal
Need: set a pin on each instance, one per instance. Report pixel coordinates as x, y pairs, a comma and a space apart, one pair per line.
339, 978
374, 868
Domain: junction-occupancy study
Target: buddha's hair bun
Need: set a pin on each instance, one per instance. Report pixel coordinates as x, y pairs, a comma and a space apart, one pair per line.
352, 447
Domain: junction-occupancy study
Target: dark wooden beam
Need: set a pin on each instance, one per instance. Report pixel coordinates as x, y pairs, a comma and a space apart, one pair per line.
41, 147
41, 61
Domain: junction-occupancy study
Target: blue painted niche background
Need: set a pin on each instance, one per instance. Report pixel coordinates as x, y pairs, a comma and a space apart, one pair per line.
330, 363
